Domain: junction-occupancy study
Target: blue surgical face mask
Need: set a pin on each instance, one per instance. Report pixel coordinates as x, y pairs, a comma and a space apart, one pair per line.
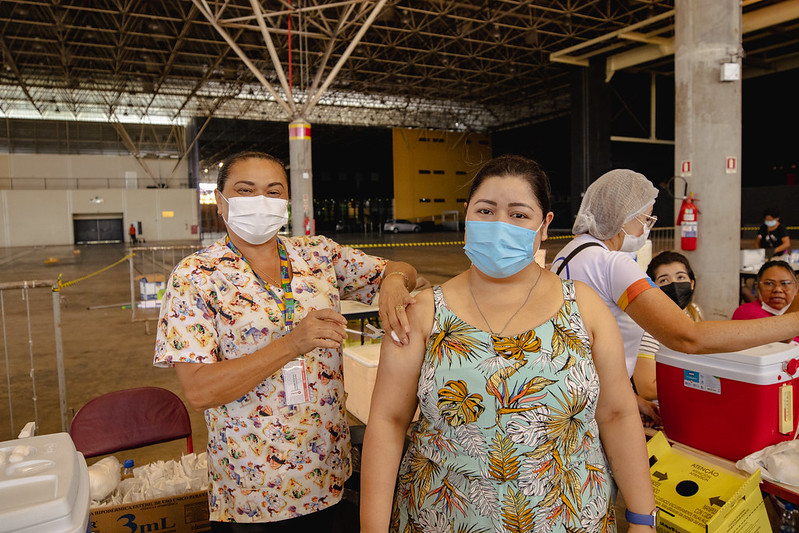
499, 249
770, 223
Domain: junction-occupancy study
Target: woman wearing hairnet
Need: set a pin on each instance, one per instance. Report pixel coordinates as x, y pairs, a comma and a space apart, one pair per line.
616, 215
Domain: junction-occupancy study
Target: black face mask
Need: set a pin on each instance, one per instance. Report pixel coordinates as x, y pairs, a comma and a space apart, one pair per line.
680, 292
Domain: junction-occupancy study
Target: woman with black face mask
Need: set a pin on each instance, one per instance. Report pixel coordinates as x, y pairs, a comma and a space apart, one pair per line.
672, 273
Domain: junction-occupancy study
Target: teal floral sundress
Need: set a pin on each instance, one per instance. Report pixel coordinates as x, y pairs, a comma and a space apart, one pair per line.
506, 440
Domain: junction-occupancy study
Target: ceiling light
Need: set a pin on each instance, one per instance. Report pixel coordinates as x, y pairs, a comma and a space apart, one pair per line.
495, 33
531, 37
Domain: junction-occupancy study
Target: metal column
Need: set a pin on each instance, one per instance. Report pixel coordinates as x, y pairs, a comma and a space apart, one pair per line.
708, 142
301, 176
590, 138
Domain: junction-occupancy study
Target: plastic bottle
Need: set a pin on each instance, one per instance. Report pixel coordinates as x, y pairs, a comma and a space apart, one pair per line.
789, 519
127, 469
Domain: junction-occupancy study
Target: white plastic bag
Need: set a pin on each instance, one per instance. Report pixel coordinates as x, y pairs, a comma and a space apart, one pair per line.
158, 479
104, 477
779, 462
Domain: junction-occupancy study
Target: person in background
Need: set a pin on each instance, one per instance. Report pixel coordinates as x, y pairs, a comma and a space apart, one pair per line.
776, 289
132, 232
616, 215
673, 274
252, 326
521, 385
772, 235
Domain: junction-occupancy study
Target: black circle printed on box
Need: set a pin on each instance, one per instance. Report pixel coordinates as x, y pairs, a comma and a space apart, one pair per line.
687, 488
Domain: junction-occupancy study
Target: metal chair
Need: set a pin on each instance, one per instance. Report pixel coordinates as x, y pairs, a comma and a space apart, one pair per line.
128, 419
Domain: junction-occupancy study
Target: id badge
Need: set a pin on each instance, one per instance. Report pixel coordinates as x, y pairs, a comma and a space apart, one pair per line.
295, 382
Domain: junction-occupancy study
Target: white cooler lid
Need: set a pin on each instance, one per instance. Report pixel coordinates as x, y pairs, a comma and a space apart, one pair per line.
761, 365
45, 487
367, 355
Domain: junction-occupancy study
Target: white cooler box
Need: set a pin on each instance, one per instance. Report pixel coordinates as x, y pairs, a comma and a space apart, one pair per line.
730, 404
44, 486
360, 371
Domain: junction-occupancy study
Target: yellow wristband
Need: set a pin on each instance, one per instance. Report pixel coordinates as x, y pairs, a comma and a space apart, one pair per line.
407, 281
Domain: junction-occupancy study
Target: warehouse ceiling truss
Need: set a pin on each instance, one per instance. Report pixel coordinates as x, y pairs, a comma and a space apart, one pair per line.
454, 65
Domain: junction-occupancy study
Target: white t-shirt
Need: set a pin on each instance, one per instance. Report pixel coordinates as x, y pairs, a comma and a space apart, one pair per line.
618, 280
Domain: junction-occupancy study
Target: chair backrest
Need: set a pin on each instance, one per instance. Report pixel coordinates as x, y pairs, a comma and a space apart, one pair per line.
128, 419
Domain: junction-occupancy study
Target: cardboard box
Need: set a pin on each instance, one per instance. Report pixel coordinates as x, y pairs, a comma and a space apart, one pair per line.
729, 404
151, 287
186, 513
695, 496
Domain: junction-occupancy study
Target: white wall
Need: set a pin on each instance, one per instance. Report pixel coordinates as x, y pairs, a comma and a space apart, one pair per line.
32, 218
142, 206
44, 217
78, 171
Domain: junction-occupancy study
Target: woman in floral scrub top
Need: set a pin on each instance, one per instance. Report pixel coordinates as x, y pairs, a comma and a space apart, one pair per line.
254, 333
525, 403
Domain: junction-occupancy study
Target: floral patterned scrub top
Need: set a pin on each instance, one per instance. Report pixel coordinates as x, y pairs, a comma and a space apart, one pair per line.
267, 461
507, 440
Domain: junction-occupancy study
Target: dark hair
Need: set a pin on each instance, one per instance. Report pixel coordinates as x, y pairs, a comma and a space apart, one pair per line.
516, 166
666, 258
774, 263
771, 212
228, 163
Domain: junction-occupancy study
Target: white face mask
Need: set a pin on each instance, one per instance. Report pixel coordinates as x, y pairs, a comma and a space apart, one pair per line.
633, 244
256, 219
767, 308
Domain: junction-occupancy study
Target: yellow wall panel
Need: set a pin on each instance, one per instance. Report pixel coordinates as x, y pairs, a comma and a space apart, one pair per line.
435, 165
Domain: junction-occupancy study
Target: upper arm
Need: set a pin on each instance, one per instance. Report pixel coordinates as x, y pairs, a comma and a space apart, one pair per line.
186, 330
358, 273
625, 279
187, 376
394, 396
645, 378
663, 319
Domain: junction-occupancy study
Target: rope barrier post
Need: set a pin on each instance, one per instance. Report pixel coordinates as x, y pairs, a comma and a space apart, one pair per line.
132, 290
34, 396
59, 355
5, 352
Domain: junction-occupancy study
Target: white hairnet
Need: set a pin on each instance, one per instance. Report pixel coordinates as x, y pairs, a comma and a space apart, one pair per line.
612, 200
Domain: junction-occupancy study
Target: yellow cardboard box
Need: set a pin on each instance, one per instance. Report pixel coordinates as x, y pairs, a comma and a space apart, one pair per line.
187, 513
695, 496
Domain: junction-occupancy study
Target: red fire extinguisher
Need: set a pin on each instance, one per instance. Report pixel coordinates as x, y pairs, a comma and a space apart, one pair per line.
688, 220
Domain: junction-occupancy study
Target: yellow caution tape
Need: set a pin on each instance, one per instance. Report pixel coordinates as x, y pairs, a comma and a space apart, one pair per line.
436, 243
60, 285
405, 244
755, 228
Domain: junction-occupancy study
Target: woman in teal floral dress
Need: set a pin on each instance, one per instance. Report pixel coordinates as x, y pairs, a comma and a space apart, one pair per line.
526, 407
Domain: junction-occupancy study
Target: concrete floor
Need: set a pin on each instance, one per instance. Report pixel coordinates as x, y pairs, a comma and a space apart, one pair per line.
104, 350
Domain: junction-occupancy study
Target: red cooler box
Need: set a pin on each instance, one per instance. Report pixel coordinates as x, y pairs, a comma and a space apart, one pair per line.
730, 404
